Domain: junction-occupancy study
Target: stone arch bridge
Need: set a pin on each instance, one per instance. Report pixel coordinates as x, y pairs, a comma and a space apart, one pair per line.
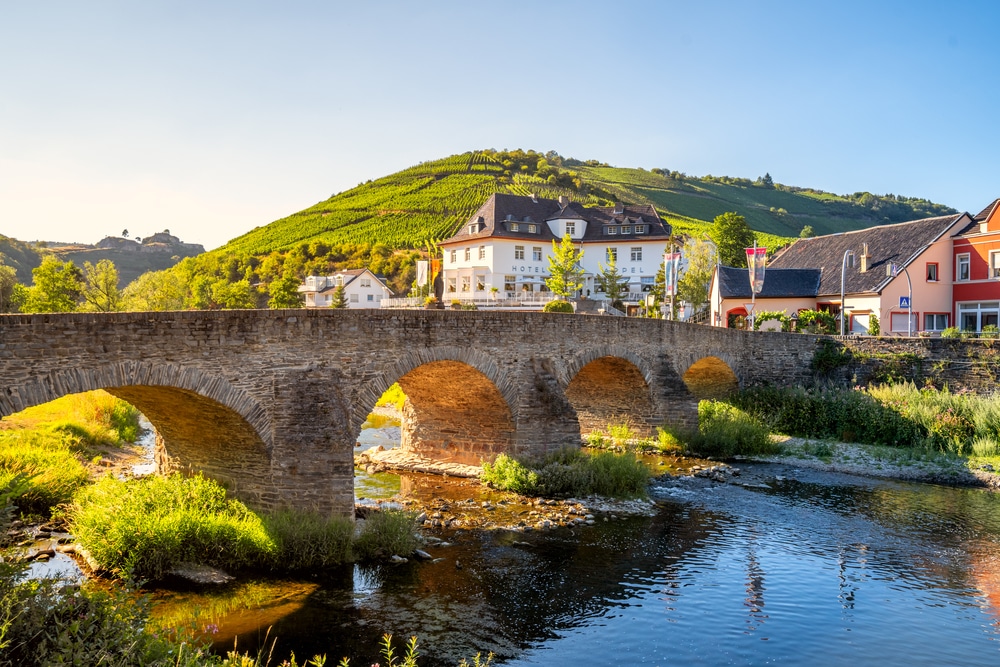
271, 402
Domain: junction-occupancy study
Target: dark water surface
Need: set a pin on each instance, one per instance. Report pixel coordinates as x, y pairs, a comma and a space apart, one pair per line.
794, 567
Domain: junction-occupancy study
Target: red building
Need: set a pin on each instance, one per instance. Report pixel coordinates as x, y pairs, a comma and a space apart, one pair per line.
976, 286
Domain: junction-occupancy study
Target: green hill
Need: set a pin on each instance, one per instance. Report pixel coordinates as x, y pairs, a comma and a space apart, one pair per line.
432, 199
19, 255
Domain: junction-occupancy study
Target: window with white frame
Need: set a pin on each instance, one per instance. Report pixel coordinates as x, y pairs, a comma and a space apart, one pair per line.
612, 254
626, 229
995, 264
480, 282
514, 227
454, 256
637, 254
532, 229
466, 283
468, 254
482, 252
640, 229
647, 282
354, 298
612, 231
571, 228
508, 283
366, 282
935, 321
451, 285
536, 254
519, 252
974, 316
962, 264
932, 272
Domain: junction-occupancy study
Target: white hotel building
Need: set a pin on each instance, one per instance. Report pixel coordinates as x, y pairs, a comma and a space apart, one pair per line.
506, 244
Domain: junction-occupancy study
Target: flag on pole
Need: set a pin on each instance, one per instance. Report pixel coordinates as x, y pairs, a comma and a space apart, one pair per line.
671, 262
755, 264
422, 278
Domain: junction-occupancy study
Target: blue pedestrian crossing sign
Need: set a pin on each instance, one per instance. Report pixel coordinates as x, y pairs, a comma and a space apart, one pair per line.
904, 302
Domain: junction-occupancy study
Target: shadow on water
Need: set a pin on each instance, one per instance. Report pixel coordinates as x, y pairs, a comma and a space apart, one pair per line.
800, 567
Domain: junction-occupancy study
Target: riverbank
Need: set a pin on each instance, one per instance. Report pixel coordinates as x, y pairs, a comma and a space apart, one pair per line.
882, 462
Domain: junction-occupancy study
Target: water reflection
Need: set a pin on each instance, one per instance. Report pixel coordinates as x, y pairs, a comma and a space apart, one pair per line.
801, 568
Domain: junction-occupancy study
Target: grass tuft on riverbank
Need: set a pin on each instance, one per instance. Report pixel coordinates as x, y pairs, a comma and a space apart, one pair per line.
570, 472
45, 449
142, 528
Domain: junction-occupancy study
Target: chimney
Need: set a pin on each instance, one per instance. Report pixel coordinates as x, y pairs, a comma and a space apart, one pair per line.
563, 201
534, 198
864, 258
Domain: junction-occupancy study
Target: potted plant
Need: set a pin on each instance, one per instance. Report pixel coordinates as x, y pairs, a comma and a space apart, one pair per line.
430, 303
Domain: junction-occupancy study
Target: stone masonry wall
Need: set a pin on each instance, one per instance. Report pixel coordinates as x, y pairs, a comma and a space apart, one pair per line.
289, 389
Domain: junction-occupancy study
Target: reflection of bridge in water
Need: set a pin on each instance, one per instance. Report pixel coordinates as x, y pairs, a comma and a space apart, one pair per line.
271, 402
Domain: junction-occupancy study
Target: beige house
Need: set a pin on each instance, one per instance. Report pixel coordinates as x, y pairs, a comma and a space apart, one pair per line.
865, 273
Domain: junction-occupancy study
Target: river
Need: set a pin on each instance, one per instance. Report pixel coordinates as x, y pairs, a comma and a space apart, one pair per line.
781, 565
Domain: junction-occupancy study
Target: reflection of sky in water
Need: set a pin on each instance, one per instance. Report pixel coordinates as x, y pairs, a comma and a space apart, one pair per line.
826, 570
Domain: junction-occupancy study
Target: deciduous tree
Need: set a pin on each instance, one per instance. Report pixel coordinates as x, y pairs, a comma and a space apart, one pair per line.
612, 283
56, 287
732, 236
693, 284
566, 274
155, 290
100, 289
284, 292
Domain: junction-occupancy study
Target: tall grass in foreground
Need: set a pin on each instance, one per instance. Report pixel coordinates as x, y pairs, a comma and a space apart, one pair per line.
142, 528
570, 472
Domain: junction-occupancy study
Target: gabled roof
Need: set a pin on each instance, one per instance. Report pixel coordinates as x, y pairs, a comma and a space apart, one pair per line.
493, 219
349, 276
986, 212
734, 283
896, 244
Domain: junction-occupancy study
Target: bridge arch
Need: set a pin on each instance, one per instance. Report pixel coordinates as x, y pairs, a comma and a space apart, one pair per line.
460, 405
203, 422
610, 384
711, 376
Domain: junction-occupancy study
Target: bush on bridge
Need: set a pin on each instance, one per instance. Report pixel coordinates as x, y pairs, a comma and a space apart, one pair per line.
558, 306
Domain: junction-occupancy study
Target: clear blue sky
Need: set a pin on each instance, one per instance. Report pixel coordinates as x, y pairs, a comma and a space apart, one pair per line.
211, 118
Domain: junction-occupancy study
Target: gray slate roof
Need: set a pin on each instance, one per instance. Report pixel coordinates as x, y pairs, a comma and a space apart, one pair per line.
734, 283
493, 223
887, 244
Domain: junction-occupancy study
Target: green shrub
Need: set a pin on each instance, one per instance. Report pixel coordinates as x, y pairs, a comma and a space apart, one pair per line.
726, 431
817, 322
990, 331
952, 332
558, 306
874, 328
768, 315
387, 533
509, 474
829, 356
570, 471
141, 528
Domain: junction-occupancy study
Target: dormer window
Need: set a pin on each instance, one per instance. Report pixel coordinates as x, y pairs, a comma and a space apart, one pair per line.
627, 229
571, 228
340, 281
640, 229
473, 228
509, 217
532, 229
612, 231
619, 209
514, 226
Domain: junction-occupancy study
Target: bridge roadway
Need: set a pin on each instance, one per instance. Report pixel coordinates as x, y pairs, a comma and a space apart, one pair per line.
271, 402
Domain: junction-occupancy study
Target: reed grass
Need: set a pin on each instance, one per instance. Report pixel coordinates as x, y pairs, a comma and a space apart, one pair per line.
570, 471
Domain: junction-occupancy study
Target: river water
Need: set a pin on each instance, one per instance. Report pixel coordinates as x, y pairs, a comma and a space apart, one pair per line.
784, 566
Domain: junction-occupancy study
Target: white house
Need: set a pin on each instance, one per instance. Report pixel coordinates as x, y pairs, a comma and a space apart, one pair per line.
362, 288
506, 244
